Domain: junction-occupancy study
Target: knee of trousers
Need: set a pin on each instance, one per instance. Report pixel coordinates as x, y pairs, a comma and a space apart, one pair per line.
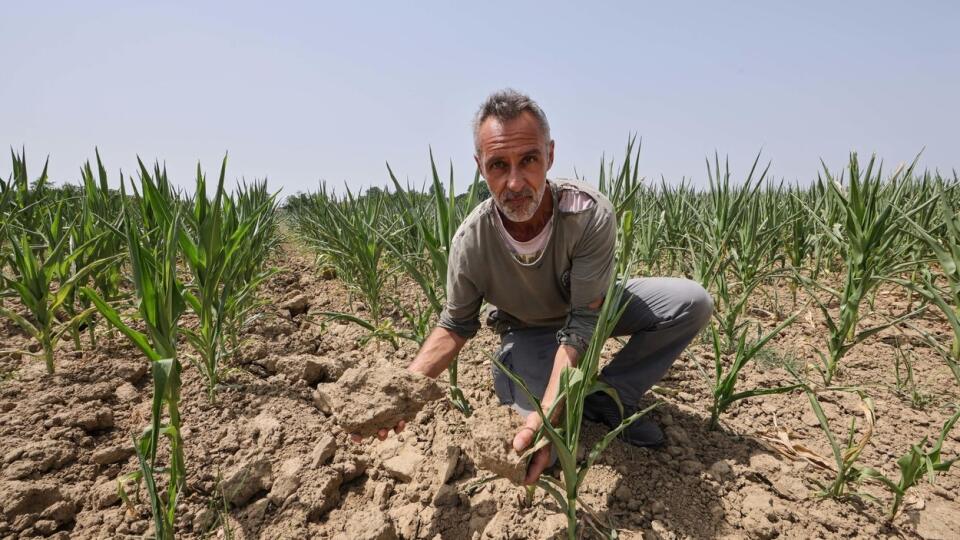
700, 305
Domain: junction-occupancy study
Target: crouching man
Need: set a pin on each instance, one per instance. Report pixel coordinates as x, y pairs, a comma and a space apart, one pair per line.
542, 252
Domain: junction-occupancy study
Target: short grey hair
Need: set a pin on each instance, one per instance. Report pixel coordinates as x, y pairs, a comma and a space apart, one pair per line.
505, 105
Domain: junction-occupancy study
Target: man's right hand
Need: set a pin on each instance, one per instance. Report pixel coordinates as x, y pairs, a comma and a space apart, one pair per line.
382, 434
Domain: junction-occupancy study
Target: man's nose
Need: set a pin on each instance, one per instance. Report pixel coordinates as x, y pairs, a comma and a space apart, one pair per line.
515, 181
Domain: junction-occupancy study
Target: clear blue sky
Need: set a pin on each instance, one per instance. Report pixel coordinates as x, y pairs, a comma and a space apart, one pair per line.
303, 91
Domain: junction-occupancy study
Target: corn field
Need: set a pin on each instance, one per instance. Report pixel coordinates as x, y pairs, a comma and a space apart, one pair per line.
184, 280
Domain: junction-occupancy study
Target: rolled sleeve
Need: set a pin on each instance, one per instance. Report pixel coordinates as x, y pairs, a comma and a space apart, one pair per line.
591, 270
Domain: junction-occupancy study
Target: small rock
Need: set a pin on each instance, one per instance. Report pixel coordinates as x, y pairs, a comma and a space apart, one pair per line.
131, 372
90, 420
374, 526
287, 481
45, 527
678, 435
720, 470
112, 455
404, 465
623, 493
323, 451
446, 496
105, 494
126, 393
686, 397
657, 508
381, 493
690, 466
449, 466
204, 519
296, 305
319, 492
250, 477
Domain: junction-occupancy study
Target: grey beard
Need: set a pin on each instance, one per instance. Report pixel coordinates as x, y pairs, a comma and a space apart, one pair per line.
525, 213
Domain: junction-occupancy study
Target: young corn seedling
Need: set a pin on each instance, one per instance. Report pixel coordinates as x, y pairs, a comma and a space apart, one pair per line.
562, 422
913, 465
868, 239
846, 452
427, 265
725, 378
906, 386
349, 234
160, 304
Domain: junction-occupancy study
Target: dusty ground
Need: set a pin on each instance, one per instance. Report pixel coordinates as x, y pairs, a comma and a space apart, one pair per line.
286, 470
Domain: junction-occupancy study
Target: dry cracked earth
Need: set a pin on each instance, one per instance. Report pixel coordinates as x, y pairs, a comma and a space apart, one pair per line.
269, 459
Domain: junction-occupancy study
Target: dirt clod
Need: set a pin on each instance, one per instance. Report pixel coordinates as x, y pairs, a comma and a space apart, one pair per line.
365, 400
490, 445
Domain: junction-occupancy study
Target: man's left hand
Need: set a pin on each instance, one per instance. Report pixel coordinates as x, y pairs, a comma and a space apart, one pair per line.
523, 439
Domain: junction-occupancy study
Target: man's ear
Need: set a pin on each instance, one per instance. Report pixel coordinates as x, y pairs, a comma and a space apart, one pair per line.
550, 155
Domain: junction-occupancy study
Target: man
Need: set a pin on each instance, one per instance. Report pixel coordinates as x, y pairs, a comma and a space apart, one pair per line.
542, 252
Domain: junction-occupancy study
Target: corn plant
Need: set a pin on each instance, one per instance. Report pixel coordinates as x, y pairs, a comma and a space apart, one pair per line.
913, 465
869, 240
725, 378
256, 207
346, 233
35, 270
159, 292
427, 264
946, 248
100, 214
576, 383
846, 452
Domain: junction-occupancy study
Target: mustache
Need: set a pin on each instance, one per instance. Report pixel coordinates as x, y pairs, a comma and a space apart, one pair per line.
512, 195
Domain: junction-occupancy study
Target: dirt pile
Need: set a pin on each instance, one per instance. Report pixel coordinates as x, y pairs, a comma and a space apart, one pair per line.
366, 399
490, 444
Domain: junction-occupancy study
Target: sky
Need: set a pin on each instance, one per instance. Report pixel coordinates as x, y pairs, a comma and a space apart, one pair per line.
300, 92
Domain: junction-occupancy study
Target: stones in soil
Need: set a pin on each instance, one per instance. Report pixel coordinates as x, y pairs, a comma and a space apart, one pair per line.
367, 399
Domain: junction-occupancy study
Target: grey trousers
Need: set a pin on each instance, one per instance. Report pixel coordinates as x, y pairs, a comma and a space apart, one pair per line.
661, 318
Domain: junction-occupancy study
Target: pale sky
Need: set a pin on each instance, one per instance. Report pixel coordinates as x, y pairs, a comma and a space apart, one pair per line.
304, 91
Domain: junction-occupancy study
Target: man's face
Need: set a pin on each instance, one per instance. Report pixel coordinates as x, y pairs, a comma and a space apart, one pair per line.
514, 158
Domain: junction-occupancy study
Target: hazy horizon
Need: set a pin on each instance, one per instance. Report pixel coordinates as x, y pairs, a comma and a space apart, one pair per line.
301, 93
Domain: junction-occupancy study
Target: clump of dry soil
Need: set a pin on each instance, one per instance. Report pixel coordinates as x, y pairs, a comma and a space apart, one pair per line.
366, 399
490, 445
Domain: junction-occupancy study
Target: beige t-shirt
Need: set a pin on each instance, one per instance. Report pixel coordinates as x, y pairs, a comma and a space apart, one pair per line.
573, 271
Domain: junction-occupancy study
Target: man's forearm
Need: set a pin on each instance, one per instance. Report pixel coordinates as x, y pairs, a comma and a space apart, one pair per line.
566, 356
437, 352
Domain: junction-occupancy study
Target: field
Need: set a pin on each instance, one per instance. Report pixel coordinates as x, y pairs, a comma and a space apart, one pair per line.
164, 360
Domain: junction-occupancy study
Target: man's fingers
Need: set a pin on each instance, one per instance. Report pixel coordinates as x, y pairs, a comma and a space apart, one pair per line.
537, 465
356, 438
522, 439
400, 425
382, 434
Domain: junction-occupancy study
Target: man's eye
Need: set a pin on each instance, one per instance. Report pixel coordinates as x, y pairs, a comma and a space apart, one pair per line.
529, 159
498, 165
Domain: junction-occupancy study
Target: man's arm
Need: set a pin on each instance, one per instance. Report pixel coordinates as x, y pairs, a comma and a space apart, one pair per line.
567, 356
437, 352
